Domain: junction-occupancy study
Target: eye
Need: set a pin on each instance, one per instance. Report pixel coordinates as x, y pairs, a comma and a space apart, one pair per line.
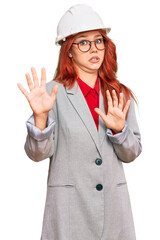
99, 40
84, 42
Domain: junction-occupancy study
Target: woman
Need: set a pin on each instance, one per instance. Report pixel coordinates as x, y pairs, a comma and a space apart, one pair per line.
84, 121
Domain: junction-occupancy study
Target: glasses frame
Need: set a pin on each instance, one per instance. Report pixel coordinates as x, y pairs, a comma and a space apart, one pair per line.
90, 43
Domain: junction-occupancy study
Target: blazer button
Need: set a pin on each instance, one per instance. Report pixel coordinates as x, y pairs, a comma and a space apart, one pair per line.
98, 161
99, 187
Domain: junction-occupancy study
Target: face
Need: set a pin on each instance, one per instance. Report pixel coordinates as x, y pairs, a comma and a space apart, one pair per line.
89, 61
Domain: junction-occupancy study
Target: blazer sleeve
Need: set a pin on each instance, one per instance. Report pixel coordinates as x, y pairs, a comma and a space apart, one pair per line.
127, 144
39, 145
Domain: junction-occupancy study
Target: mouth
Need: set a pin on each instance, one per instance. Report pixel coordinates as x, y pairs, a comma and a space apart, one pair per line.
94, 59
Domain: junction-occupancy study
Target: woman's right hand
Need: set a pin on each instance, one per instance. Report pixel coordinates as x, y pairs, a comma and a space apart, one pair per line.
39, 99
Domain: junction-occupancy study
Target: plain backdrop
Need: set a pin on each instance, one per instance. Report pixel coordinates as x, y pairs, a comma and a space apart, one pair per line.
28, 31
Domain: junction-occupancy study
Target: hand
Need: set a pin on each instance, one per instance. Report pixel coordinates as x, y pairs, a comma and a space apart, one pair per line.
117, 111
40, 101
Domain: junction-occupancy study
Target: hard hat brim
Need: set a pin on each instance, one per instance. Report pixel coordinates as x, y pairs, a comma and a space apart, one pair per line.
60, 40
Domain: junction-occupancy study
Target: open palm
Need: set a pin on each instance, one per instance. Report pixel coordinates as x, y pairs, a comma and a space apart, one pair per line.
39, 99
117, 111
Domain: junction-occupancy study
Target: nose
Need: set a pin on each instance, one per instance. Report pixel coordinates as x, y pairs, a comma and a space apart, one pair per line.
93, 46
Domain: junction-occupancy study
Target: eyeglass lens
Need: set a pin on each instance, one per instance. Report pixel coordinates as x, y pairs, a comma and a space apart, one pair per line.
85, 45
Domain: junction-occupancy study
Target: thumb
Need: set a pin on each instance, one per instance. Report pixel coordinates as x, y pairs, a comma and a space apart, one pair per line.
126, 108
100, 113
54, 91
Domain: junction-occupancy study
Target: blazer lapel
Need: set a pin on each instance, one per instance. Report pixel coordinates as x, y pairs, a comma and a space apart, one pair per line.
102, 127
79, 103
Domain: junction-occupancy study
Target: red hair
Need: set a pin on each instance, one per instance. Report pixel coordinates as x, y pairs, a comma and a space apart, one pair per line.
67, 75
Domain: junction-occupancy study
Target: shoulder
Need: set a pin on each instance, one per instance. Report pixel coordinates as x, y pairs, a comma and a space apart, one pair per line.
132, 112
51, 84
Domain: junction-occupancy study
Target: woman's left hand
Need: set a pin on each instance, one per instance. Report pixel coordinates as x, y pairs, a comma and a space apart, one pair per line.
117, 111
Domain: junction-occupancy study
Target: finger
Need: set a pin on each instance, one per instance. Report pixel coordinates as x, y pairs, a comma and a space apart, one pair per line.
29, 81
54, 91
43, 77
126, 108
121, 101
109, 98
23, 90
100, 113
35, 77
115, 99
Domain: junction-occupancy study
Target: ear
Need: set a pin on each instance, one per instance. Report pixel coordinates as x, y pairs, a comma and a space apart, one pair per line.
69, 54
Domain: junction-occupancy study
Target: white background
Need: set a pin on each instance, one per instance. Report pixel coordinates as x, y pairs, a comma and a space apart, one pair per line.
28, 31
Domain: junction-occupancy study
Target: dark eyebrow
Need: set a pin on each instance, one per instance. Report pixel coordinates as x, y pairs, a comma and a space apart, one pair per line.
84, 36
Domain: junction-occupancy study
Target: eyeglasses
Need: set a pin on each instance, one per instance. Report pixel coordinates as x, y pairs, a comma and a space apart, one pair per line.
85, 45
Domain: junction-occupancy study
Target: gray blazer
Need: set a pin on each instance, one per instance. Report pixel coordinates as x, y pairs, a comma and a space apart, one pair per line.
87, 195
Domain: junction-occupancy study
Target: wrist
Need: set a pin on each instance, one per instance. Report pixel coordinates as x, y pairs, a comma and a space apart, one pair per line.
41, 120
41, 115
116, 131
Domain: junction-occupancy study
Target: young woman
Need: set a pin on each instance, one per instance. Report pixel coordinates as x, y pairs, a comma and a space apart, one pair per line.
84, 121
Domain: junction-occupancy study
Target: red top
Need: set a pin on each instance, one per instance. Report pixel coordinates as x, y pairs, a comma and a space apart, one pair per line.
92, 97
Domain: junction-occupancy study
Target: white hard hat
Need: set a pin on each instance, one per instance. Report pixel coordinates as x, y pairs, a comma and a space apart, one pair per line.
78, 18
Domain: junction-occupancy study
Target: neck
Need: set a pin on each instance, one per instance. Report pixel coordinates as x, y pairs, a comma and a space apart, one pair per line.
88, 78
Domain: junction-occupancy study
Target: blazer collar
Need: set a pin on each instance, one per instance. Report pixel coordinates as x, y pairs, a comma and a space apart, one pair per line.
78, 101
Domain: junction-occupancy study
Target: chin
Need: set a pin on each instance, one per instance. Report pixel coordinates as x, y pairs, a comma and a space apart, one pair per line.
96, 67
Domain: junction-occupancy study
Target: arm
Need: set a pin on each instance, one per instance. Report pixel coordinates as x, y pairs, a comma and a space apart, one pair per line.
40, 139
39, 144
127, 144
127, 140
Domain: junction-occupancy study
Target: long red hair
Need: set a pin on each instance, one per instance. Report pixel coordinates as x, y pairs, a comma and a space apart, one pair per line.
66, 71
